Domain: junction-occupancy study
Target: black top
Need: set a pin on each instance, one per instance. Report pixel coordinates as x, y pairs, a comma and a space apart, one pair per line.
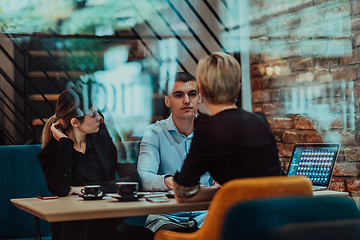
231, 144
63, 166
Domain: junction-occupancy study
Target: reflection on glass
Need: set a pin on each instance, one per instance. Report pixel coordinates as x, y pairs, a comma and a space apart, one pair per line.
307, 52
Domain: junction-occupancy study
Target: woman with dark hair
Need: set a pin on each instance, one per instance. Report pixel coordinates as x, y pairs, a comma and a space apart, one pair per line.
77, 150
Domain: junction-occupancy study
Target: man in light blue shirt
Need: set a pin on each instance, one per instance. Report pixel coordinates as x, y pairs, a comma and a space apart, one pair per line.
163, 150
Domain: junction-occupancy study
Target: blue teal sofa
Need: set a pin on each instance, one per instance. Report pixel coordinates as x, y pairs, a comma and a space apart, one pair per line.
22, 177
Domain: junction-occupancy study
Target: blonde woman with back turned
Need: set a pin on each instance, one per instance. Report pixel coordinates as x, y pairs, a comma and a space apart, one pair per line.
228, 142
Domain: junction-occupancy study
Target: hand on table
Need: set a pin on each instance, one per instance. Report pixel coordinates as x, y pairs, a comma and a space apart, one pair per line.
75, 190
169, 181
216, 184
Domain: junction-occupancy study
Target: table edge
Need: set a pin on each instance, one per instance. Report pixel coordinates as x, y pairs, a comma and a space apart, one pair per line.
157, 208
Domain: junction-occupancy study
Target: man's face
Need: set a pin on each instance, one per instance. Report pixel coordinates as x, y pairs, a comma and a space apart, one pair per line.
183, 100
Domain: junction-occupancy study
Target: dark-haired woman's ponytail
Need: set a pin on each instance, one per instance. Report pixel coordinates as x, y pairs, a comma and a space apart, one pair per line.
46, 133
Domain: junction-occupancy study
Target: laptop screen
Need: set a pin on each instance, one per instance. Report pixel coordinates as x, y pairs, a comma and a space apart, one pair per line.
315, 161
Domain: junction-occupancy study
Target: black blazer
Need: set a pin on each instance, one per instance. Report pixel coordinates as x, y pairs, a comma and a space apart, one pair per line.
57, 162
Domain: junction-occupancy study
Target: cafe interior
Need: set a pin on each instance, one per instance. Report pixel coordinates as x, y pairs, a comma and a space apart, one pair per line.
300, 62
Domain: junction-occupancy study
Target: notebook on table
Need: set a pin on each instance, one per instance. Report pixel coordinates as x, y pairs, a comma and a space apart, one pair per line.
315, 161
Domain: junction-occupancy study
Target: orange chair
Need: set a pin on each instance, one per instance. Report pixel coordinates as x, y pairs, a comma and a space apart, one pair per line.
240, 190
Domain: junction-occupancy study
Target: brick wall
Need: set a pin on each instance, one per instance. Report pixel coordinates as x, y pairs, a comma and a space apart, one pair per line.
304, 71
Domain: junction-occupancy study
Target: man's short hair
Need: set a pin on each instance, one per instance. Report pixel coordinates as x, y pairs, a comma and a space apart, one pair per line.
219, 76
184, 77
179, 77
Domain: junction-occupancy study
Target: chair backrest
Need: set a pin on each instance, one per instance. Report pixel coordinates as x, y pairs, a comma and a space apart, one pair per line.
240, 190
276, 218
22, 177
329, 230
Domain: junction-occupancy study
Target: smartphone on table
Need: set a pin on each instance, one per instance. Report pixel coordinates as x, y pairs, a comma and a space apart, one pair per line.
47, 198
157, 199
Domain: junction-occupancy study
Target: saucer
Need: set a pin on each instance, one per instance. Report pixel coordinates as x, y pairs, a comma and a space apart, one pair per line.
126, 199
92, 197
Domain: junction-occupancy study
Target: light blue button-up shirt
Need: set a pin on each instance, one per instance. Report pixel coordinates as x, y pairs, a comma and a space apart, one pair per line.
162, 152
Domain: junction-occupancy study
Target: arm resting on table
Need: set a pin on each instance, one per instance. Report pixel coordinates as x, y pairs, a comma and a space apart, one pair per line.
149, 163
204, 194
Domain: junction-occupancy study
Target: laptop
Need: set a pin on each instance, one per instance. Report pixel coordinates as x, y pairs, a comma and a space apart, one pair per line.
315, 161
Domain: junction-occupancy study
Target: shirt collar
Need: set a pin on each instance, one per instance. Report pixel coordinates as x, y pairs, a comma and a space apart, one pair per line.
170, 125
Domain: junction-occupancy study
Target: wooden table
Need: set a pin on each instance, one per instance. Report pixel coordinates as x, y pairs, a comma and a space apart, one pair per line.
75, 208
